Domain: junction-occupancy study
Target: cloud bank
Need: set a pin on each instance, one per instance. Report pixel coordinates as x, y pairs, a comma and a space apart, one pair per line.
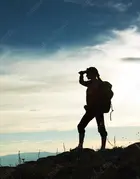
43, 94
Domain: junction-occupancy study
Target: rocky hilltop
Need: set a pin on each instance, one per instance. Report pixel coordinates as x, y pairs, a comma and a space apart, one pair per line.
85, 164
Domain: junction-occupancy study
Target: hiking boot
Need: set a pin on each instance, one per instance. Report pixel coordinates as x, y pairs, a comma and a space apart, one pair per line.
77, 149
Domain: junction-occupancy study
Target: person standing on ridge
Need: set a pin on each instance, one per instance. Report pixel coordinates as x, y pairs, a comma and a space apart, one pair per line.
93, 107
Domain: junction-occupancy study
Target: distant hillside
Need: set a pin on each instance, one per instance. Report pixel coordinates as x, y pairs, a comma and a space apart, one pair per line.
85, 164
13, 158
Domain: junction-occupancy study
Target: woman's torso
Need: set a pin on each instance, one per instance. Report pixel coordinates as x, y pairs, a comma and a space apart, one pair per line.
92, 92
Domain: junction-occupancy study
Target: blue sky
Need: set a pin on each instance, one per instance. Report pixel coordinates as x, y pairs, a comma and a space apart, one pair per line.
43, 45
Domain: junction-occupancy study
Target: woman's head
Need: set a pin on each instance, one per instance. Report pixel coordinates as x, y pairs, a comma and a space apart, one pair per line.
92, 73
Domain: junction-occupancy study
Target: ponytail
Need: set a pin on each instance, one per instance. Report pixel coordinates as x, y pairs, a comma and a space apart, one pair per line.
98, 76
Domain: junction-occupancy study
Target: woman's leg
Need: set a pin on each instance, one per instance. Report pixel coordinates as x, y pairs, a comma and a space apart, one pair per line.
101, 129
81, 127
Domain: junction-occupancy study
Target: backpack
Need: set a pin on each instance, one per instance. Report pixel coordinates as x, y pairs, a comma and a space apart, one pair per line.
105, 96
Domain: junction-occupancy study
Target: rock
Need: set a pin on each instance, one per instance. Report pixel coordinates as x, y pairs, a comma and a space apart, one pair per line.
130, 154
127, 164
84, 164
6, 172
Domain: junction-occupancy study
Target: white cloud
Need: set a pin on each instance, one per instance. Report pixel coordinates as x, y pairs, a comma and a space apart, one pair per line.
36, 93
121, 7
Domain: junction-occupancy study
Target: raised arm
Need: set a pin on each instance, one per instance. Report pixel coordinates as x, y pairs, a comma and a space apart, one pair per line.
81, 79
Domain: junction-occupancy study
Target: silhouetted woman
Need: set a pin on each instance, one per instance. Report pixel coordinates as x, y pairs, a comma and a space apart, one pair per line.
93, 107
